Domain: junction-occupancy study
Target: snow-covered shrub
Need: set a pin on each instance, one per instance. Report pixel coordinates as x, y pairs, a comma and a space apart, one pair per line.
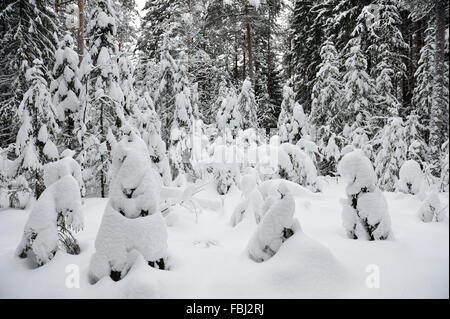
365, 214
411, 178
225, 165
57, 211
311, 149
251, 203
292, 123
19, 193
147, 121
132, 223
65, 166
247, 106
431, 209
277, 226
296, 166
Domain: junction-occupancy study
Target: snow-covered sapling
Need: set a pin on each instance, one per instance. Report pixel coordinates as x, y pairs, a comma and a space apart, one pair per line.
251, 203
431, 209
411, 179
277, 226
57, 211
132, 223
365, 214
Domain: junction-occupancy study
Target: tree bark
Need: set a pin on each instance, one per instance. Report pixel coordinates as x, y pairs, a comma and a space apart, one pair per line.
80, 35
249, 45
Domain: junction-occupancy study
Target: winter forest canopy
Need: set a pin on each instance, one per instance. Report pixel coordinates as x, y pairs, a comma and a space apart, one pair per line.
146, 102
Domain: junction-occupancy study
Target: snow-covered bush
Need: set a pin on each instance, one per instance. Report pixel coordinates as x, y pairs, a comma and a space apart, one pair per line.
431, 209
411, 178
251, 203
18, 193
57, 211
65, 166
365, 214
247, 106
132, 223
296, 166
147, 121
277, 226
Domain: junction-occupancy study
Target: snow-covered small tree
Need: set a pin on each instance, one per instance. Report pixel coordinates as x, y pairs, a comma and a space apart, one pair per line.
326, 93
147, 121
411, 179
180, 144
417, 148
132, 224
296, 166
66, 89
391, 154
359, 90
35, 140
275, 228
56, 212
292, 122
330, 153
126, 81
431, 209
229, 116
251, 203
247, 106
365, 214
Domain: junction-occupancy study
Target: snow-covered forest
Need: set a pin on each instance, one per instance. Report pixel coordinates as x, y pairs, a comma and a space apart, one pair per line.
224, 148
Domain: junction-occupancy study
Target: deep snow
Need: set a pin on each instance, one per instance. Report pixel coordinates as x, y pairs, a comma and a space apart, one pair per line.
209, 259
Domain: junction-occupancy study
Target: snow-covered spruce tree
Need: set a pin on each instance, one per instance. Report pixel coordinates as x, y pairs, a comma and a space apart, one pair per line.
28, 32
296, 166
431, 209
65, 89
292, 122
38, 129
445, 168
411, 179
104, 113
365, 214
330, 152
423, 90
388, 49
359, 90
56, 212
417, 148
229, 116
247, 106
326, 93
132, 224
391, 153
180, 136
147, 121
126, 81
275, 228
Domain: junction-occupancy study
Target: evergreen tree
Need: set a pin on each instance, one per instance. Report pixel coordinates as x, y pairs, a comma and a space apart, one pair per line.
247, 106
391, 154
105, 114
229, 117
35, 144
27, 32
66, 89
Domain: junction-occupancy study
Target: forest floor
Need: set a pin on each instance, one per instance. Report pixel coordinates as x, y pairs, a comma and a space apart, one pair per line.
208, 257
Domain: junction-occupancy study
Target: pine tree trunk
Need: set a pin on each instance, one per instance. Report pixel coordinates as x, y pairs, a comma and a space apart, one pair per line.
57, 6
80, 35
249, 46
102, 157
438, 88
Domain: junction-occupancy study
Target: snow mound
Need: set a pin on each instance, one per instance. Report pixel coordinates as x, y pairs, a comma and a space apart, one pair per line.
252, 201
411, 178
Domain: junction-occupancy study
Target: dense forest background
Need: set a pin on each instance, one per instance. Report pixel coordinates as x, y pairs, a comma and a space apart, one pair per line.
368, 73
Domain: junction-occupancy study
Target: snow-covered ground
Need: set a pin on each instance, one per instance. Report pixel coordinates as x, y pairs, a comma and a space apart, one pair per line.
208, 258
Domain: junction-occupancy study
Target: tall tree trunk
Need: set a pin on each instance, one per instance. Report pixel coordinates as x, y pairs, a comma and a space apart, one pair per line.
438, 102
249, 45
80, 35
102, 157
57, 6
